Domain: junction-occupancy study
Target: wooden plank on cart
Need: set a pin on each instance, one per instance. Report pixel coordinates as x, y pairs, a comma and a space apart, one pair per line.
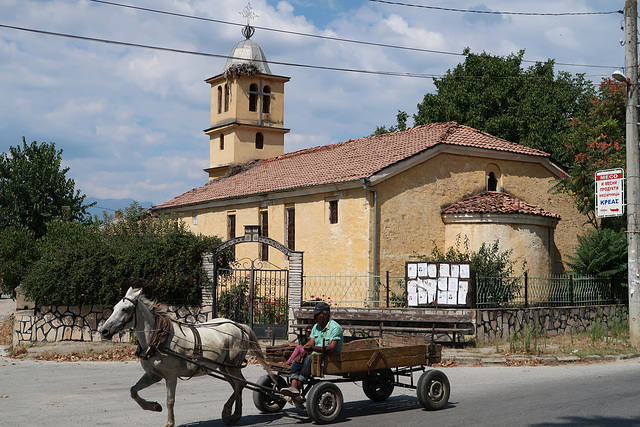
370, 359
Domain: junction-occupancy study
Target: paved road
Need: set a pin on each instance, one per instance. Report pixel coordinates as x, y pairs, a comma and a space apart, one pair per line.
96, 394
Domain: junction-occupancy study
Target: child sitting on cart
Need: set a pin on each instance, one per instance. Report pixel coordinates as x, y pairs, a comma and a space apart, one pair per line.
299, 348
326, 337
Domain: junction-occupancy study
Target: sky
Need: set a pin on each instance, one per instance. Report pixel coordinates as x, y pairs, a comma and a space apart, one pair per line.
130, 120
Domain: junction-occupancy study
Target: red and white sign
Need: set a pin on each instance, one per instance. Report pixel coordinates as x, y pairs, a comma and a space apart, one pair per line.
609, 193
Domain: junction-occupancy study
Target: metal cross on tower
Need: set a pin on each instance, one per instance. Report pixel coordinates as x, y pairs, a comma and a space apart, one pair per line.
248, 13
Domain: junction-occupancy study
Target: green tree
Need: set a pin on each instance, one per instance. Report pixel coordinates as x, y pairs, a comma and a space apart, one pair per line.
401, 124
494, 94
34, 188
87, 264
18, 251
601, 252
596, 142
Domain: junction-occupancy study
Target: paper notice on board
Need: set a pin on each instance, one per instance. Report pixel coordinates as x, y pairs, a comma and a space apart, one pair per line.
412, 293
444, 270
412, 300
464, 271
455, 270
433, 270
423, 294
443, 283
452, 298
412, 271
422, 269
432, 289
453, 284
442, 297
463, 290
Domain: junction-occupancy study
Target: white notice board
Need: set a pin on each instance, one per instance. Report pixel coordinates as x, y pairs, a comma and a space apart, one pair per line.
438, 284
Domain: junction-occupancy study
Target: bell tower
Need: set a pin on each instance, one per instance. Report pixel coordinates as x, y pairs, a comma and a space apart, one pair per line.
247, 108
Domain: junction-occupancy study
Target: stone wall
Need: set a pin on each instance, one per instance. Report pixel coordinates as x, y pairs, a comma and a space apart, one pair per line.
68, 323
501, 323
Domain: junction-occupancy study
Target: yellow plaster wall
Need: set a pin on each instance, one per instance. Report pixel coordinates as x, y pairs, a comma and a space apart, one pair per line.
410, 203
340, 248
528, 242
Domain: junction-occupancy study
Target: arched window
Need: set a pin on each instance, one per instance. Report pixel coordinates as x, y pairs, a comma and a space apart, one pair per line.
253, 97
259, 141
221, 141
492, 182
266, 100
219, 99
226, 97
493, 178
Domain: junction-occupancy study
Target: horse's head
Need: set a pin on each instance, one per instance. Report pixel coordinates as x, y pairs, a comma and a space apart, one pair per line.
124, 314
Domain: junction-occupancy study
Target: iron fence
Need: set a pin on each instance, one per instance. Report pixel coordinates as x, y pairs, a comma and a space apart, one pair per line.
549, 291
366, 290
253, 296
360, 290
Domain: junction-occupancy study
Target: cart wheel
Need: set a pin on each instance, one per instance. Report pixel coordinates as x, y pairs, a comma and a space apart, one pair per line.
378, 386
269, 402
433, 389
324, 402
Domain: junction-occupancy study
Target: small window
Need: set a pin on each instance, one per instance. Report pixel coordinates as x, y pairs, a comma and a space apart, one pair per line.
253, 97
492, 182
266, 100
259, 141
333, 211
264, 231
290, 220
226, 97
195, 218
493, 178
221, 141
219, 99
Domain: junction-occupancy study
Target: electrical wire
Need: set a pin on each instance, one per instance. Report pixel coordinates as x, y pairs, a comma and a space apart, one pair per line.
338, 39
287, 64
495, 12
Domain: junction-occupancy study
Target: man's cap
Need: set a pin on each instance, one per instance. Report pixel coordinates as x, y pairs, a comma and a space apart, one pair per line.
320, 307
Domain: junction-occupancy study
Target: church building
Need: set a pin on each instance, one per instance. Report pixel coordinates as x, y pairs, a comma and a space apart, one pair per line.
368, 205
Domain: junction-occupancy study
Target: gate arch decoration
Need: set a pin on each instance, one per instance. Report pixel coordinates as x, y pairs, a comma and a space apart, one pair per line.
252, 235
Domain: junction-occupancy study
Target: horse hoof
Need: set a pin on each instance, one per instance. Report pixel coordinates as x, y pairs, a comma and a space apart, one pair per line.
230, 420
156, 407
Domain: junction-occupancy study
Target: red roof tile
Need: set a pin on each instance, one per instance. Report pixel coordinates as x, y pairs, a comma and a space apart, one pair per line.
343, 162
491, 202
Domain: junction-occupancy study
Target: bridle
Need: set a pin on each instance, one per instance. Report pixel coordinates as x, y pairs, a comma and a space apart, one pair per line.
133, 315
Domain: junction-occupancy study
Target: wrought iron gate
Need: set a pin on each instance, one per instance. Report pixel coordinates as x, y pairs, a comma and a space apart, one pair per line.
255, 292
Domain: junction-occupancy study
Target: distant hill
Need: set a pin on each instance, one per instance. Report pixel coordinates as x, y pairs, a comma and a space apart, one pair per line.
111, 205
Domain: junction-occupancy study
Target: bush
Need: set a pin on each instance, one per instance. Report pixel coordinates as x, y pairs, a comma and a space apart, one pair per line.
17, 252
488, 263
81, 264
601, 252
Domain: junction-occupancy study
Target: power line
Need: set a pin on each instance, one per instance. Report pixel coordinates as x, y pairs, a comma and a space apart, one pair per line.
288, 64
495, 12
213, 55
296, 33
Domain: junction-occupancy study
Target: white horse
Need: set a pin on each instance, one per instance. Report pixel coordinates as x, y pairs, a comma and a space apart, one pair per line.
219, 344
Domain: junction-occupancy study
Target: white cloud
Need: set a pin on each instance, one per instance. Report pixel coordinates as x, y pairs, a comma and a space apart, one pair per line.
130, 120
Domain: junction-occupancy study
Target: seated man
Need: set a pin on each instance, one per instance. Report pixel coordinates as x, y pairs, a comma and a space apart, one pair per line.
326, 336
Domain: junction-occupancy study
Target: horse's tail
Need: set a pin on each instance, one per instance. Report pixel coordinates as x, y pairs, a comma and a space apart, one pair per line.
254, 348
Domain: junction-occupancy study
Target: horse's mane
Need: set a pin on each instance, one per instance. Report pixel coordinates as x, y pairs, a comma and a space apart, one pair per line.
157, 308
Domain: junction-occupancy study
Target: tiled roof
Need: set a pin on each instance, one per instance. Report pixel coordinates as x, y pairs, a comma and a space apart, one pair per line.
491, 202
343, 162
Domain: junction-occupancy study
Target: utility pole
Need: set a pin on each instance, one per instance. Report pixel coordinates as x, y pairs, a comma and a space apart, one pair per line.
633, 169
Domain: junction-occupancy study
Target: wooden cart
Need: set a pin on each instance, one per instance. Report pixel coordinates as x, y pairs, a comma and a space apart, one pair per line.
381, 364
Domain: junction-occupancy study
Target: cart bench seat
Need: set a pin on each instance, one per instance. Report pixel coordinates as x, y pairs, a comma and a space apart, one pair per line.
443, 328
